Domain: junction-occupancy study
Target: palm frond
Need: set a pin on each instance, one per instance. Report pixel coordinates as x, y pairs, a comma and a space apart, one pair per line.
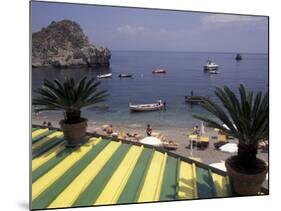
246, 116
68, 94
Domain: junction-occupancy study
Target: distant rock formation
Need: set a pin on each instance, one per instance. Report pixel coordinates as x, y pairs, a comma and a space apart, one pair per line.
63, 44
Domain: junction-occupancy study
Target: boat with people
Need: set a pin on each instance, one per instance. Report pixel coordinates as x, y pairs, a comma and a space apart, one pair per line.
195, 99
124, 75
238, 57
211, 66
108, 75
159, 70
146, 107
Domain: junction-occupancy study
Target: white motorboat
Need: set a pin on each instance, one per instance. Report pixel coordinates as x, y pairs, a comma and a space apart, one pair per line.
211, 66
109, 75
146, 107
159, 70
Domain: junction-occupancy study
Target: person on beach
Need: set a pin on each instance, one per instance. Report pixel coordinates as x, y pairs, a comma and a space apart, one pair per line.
148, 130
196, 130
49, 124
109, 130
191, 93
160, 101
44, 124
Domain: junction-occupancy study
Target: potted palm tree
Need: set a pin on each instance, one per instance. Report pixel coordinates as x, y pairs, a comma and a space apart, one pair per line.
247, 119
70, 96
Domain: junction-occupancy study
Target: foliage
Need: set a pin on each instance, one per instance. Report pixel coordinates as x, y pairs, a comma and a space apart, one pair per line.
246, 117
68, 95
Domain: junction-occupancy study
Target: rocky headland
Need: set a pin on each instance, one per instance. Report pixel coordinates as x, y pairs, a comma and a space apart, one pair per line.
64, 45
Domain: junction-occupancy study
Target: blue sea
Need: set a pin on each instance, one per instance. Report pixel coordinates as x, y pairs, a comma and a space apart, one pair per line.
184, 74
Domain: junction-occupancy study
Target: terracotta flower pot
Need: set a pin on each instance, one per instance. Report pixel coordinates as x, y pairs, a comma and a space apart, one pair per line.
74, 134
245, 184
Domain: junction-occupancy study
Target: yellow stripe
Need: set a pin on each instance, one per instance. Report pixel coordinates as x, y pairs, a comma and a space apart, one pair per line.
220, 184
187, 182
116, 184
46, 139
160, 181
81, 182
38, 132
151, 183
195, 190
37, 162
51, 176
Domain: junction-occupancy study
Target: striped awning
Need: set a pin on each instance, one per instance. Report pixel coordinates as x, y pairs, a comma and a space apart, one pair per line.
103, 171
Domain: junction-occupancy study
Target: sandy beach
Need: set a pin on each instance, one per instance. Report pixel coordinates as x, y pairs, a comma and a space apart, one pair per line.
178, 135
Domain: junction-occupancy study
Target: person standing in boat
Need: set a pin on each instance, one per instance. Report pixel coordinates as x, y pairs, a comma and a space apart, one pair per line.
164, 105
160, 101
191, 93
148, 130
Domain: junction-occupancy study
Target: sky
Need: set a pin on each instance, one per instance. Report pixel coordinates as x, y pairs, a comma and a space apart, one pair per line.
158, 30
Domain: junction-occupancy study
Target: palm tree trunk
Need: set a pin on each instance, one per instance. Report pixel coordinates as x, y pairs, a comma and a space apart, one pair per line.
72, 117
247, 154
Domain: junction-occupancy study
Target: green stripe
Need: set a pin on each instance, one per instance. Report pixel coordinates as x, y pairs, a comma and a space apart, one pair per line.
134, 183
90, 195
204, 183
34, 128
46, 133
178, 177
169, 185
47, 146
211, 183
50, 164
49, 195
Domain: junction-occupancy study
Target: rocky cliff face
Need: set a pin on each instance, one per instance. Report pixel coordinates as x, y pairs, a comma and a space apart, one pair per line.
63, 44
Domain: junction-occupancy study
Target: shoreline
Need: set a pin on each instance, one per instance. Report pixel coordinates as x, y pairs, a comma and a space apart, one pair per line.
178, 135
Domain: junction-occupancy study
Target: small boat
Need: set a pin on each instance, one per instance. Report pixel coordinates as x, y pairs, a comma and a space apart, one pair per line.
238, 57
109, 75
146, 107
211, 66
195, 99
124, 75
213, 71
159, 70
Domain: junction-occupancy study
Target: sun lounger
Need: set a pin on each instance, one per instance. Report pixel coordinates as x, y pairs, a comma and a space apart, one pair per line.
170, 145
193, 137
222, 138
203, 142
221, 141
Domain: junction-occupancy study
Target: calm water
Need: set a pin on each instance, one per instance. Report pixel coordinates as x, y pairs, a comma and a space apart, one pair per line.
184, 73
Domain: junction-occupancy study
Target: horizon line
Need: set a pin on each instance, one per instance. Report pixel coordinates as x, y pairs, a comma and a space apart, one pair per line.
186, 51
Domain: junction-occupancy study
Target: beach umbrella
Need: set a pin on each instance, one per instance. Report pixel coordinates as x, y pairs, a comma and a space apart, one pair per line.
230, 147
202, 128
151, 141
191, 148
220, 166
